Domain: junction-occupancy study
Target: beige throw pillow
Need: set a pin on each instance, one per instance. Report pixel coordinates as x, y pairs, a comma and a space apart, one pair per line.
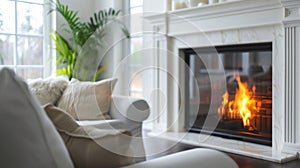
89, 146
88, 100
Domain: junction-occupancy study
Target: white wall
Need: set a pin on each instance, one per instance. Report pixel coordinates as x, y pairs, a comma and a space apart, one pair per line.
104, 4
156, 6
115, 48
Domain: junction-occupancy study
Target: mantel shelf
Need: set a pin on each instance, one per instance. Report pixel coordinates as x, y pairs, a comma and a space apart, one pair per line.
235, 7
236, 14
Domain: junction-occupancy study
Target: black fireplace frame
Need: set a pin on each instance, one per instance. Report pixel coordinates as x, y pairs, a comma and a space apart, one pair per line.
266, 46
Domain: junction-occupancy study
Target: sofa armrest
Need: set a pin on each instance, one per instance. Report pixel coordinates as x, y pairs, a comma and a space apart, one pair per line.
128, 108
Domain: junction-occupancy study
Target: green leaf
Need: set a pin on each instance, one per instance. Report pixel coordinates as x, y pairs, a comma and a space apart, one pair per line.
99, 72
66, 57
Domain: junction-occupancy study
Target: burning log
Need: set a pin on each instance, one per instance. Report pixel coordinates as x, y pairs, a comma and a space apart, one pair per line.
244, 105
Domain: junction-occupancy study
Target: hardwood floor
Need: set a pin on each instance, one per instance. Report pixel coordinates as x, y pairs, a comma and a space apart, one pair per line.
168, 147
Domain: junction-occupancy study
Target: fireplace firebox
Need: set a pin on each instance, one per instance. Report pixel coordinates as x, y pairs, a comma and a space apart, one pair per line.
235, 91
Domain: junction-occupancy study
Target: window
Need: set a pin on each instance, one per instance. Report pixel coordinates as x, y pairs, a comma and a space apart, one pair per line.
22, 37
136, 44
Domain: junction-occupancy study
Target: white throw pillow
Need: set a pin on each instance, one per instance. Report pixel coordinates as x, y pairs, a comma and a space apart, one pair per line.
88, 100
28, 137
48, 90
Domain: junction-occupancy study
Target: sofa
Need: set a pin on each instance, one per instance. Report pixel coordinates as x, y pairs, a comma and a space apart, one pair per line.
47, 136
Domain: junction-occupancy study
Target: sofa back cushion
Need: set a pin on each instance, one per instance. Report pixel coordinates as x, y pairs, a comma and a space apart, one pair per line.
88, 100
89, 146
28, 137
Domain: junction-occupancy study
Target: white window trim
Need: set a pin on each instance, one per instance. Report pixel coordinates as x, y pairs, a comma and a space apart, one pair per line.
48, 54
130, 66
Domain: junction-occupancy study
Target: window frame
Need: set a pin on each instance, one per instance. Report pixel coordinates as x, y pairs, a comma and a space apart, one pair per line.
48, 64
133, 91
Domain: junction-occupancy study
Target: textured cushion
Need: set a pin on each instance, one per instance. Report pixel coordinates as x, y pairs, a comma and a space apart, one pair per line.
28, 137
89, 146
88, 100
48, 90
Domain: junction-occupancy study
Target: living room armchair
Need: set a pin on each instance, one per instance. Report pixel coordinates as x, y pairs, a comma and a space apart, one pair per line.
127, 113
92, 104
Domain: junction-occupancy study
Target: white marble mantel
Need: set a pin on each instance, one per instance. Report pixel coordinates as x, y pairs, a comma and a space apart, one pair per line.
237, 22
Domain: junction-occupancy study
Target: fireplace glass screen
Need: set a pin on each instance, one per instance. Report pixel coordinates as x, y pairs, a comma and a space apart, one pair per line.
235, 91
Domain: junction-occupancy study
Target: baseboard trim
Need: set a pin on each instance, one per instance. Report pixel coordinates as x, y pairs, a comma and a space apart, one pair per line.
291, 148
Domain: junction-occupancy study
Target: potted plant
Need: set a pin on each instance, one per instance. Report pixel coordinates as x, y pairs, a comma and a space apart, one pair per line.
74, 52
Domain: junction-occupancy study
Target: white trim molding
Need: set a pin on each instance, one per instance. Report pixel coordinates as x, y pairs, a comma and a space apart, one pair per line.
291, 23
292, 12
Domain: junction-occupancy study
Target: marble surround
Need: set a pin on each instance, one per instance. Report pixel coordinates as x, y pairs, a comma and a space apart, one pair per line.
235, 22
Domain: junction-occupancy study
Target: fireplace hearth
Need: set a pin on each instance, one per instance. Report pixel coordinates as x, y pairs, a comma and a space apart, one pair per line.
244, 111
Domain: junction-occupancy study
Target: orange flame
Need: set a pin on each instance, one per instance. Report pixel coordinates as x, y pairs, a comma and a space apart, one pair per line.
243, 106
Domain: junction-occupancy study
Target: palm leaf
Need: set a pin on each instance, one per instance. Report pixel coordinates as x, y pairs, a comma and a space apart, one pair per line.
70, 16
66, 58
62, 71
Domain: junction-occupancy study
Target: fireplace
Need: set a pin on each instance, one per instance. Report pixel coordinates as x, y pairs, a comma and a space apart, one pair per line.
272, 24
235, 91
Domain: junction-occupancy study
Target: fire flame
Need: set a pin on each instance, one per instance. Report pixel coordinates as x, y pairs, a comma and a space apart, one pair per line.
243, 106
